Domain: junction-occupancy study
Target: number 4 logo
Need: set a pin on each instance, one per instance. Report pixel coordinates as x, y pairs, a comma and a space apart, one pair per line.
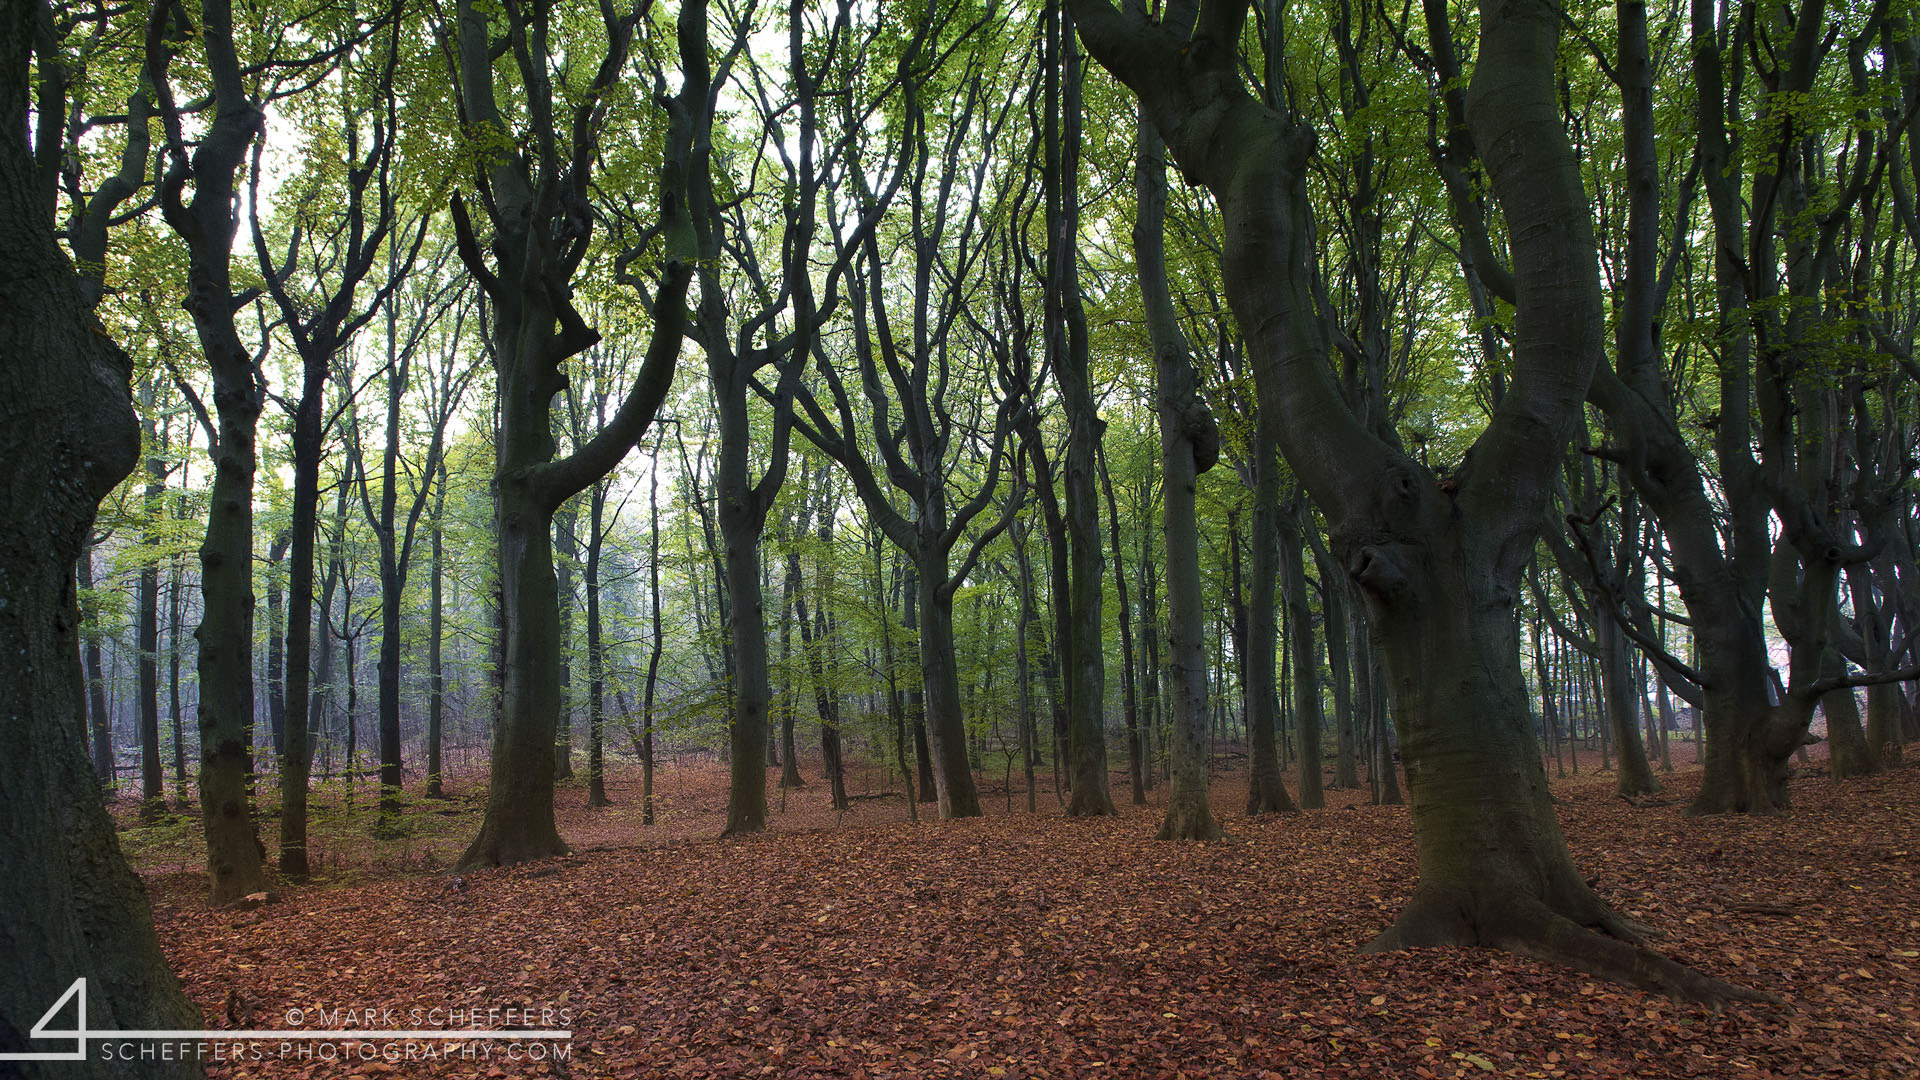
41, 1029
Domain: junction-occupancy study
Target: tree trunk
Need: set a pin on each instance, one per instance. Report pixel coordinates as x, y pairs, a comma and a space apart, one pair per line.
303, 690
519, 823
946, 722
741, 526
1305, 653
436, 629
1624, 699
96, 692
234, 853
1439, 563
1184, 421
74, 908
1136, 771
596, 656
567, 548
789, 762
277, 649
1266, 792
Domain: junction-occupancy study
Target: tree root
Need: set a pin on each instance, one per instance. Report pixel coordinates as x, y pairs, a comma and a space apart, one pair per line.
1610, 946
1190, 823
492, 848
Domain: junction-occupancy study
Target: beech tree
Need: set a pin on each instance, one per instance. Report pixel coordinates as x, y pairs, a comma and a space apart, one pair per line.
69, 436
533, 159
1437, 559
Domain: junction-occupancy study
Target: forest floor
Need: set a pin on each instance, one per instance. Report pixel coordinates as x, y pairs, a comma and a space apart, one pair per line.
861, 945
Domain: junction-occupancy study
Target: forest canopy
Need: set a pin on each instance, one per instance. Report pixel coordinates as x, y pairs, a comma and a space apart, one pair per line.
994, 397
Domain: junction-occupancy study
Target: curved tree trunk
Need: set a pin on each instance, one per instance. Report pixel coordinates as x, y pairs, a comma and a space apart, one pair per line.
1183, 421
74, 908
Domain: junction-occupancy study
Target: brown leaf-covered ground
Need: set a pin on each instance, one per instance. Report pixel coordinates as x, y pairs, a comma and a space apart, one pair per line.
1016, 946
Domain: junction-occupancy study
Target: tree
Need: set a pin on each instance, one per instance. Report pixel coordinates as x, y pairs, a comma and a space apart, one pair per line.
206, 225
918, 417
74, 906
1189, 446
1438, 559
532, 168
1066, 327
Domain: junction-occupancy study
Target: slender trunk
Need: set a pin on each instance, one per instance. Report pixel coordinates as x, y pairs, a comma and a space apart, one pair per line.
1184, 422
789, 756
436, 629
176, 615
303, 690
1305, 654
1266, 792
1023, 674
654, 649
1136, 771
96, 697
567, 549
277, 649
596, 655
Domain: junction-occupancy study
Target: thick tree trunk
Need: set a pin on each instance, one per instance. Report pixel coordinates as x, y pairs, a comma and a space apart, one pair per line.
1624, 700
946, 722
741, 527
234, 854
1848, 753
1189, 814
519, 823
67, 437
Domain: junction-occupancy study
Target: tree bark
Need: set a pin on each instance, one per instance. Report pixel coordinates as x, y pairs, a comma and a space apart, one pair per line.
1266, 792
1187, 437
69, 435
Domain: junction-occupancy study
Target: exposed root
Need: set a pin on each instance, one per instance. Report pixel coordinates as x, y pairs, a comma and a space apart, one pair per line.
1557, 939
1190, 824
1611, 947
501, 847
